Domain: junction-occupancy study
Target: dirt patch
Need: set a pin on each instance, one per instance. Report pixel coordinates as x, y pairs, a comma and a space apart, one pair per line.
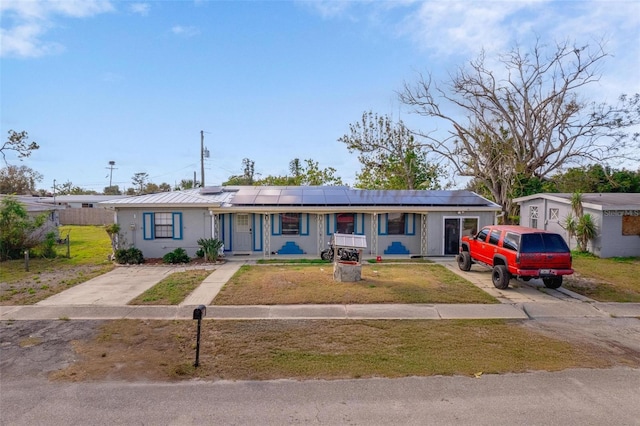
37, 348
614, 339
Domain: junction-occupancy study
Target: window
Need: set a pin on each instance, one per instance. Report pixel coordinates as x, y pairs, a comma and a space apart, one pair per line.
162, 225
511, 241
533, 216
87, 205
554, 214
469, 226
494, 237
396, 224
345, 223
290, 223
482, 235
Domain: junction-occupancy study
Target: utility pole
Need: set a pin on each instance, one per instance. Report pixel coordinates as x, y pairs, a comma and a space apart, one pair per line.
204, 153
202, 157
111, 168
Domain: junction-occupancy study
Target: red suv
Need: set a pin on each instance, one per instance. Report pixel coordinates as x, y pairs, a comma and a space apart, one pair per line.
516, 251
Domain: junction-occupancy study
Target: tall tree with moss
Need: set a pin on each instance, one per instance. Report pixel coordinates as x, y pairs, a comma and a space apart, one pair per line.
525, 117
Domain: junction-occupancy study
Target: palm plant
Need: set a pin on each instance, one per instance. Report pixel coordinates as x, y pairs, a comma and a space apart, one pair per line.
210, 247
586, 230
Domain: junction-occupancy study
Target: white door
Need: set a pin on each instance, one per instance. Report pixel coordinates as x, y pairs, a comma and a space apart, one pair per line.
242, 233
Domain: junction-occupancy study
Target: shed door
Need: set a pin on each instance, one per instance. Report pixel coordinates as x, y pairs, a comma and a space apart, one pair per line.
243, 233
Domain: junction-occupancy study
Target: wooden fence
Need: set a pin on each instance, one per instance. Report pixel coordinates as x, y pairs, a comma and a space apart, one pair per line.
85, 216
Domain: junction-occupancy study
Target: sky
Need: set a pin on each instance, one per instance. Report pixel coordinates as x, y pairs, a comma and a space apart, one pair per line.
135, 82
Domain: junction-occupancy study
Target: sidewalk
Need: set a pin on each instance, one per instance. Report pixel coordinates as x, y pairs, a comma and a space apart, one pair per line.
106, 297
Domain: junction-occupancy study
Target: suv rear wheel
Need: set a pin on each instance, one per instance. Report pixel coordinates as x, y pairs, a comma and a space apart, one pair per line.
464, 261
500, 276
553, 282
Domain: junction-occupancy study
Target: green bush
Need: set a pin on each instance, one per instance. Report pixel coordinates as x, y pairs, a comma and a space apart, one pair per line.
130, 256
210, 248
200, 253
179, 255
47, 246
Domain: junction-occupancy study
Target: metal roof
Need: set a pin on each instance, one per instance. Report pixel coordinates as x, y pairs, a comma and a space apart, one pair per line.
598, 201
186, 198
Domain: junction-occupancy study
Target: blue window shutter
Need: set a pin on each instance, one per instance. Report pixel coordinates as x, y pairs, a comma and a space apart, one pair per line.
304, 223
327, 219
275, 224
410, 224
177, 225
147, 226
359, 225
383, 220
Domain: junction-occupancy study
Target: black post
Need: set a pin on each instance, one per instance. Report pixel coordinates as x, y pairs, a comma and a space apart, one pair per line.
198, 313
197, 363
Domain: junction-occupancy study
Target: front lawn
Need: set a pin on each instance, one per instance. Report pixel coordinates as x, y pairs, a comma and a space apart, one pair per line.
605, 280
314, 284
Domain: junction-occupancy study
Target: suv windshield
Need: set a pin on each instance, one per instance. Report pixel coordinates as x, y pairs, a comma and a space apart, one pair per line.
543, 243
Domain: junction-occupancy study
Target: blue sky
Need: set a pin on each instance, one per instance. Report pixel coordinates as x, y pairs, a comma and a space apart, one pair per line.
135, 82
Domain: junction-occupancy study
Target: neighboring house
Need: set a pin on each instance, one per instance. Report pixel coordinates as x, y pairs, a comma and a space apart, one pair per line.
35, 207
616, 215
300, 220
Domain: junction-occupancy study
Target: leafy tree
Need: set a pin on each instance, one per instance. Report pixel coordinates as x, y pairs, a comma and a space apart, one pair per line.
597, 178
18, 231
18, 180
139, 181
19, 143
525, 120
187, 184
311, 174
247, 177
112, 190
389, 155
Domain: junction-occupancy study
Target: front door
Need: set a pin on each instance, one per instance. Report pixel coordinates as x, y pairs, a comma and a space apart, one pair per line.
451, 236
242, 233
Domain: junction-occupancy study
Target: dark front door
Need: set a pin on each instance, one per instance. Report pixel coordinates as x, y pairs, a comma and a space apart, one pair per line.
451, 236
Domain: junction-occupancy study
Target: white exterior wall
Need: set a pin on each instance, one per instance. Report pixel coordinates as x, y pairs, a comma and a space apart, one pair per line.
196, 224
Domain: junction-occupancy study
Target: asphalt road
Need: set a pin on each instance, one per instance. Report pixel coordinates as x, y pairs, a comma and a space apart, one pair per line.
572, 397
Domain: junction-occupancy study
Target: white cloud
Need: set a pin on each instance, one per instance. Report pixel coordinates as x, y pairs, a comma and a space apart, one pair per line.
179, 30
140, 8
25, 23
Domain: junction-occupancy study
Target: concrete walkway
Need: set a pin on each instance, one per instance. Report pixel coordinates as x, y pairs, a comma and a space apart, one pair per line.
106, 297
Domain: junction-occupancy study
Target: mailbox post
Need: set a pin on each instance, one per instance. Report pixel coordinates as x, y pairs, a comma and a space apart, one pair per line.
198, 314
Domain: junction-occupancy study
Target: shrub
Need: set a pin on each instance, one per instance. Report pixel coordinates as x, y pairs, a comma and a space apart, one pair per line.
200, 253
130, 256
210, 248
179, 255
47, 246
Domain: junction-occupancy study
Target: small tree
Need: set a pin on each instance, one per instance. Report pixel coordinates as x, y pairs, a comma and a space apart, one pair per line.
18, 231
211, 248
113, 231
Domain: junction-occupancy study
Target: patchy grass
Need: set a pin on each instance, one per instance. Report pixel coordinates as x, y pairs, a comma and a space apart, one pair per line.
89, 248
320, 349
173, 289
605, 280
288, 261
309, 284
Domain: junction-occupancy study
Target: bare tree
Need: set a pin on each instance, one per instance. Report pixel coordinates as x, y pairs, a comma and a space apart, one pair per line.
525, 120
18, 142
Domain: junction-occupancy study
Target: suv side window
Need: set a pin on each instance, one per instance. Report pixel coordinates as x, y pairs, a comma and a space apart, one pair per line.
511, 241
482, 235
494, 237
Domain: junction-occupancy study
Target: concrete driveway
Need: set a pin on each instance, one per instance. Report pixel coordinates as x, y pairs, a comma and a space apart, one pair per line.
114, 288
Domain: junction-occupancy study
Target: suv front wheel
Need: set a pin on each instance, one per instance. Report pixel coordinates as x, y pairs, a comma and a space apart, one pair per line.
500, 276
464, 261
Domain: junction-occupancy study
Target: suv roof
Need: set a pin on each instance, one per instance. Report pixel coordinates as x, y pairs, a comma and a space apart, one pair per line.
519, 229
